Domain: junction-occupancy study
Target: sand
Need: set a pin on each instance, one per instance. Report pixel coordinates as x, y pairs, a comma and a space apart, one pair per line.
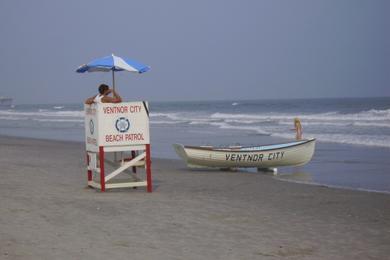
47, 212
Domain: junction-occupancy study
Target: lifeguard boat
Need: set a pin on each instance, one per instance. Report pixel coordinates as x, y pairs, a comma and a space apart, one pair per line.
262, 157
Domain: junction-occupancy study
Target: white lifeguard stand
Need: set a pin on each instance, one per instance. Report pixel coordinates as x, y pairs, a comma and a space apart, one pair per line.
120, 128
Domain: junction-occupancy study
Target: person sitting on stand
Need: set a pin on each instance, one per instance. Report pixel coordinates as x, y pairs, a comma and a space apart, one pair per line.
102, 97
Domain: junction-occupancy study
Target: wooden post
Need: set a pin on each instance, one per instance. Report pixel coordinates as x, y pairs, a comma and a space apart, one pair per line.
132, 157
89, 172
148, 169
101, 163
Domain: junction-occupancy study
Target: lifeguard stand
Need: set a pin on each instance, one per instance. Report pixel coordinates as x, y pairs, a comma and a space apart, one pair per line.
121, 128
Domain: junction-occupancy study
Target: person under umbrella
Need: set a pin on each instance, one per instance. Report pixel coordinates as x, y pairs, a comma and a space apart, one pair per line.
103, 96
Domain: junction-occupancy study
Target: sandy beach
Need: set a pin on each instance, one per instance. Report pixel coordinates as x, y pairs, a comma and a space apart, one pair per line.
47, 212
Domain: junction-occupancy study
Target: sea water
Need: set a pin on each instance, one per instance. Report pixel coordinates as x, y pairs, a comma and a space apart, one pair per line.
353, 134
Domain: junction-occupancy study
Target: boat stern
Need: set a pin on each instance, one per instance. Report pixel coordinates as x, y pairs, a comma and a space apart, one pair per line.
179, 149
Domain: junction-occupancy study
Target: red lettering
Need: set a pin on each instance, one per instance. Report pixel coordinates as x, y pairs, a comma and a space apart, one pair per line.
115, 110
134, 137
135, 109
114, 138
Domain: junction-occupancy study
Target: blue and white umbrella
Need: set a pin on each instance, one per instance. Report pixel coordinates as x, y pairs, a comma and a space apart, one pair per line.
113, 63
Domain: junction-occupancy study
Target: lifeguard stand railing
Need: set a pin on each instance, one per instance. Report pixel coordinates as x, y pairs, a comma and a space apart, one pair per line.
121, 130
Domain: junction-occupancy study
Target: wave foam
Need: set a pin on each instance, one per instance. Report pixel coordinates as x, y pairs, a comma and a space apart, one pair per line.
171, 116
371, 124
60, 120
255, 129
371, 115
365, 140
42, 113
162, 122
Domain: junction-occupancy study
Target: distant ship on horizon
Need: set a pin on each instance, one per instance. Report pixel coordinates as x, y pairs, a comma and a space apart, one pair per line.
5, 102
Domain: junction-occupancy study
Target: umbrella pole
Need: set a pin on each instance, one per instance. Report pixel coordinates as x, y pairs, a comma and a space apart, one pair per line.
113, 80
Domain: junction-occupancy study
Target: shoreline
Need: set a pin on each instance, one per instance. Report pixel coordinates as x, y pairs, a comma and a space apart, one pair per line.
278, 177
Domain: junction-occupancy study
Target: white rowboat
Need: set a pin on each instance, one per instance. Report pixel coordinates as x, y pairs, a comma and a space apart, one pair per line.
266, 156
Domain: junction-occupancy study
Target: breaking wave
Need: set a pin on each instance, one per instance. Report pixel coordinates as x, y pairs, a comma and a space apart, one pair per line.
365, 140
332, 126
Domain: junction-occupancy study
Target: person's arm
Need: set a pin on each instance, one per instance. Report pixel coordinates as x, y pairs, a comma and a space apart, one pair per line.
90, 100
114, 99
116, 96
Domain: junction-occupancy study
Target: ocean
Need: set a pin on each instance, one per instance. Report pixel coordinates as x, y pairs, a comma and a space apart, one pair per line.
353, 134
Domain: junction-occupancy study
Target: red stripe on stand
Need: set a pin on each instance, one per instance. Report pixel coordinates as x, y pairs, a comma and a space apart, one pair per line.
148, 169
101, 162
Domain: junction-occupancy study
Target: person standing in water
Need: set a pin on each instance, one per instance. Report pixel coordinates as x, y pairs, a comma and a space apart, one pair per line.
298, 128
102, 97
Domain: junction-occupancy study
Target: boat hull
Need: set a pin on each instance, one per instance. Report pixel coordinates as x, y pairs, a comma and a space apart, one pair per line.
290, 154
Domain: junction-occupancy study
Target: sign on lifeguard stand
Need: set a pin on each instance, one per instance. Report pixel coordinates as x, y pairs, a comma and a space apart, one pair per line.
117, 128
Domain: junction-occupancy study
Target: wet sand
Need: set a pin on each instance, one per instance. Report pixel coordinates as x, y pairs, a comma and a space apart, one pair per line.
47, 212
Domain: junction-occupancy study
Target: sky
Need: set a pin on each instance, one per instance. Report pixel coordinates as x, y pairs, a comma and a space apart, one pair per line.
197, 50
